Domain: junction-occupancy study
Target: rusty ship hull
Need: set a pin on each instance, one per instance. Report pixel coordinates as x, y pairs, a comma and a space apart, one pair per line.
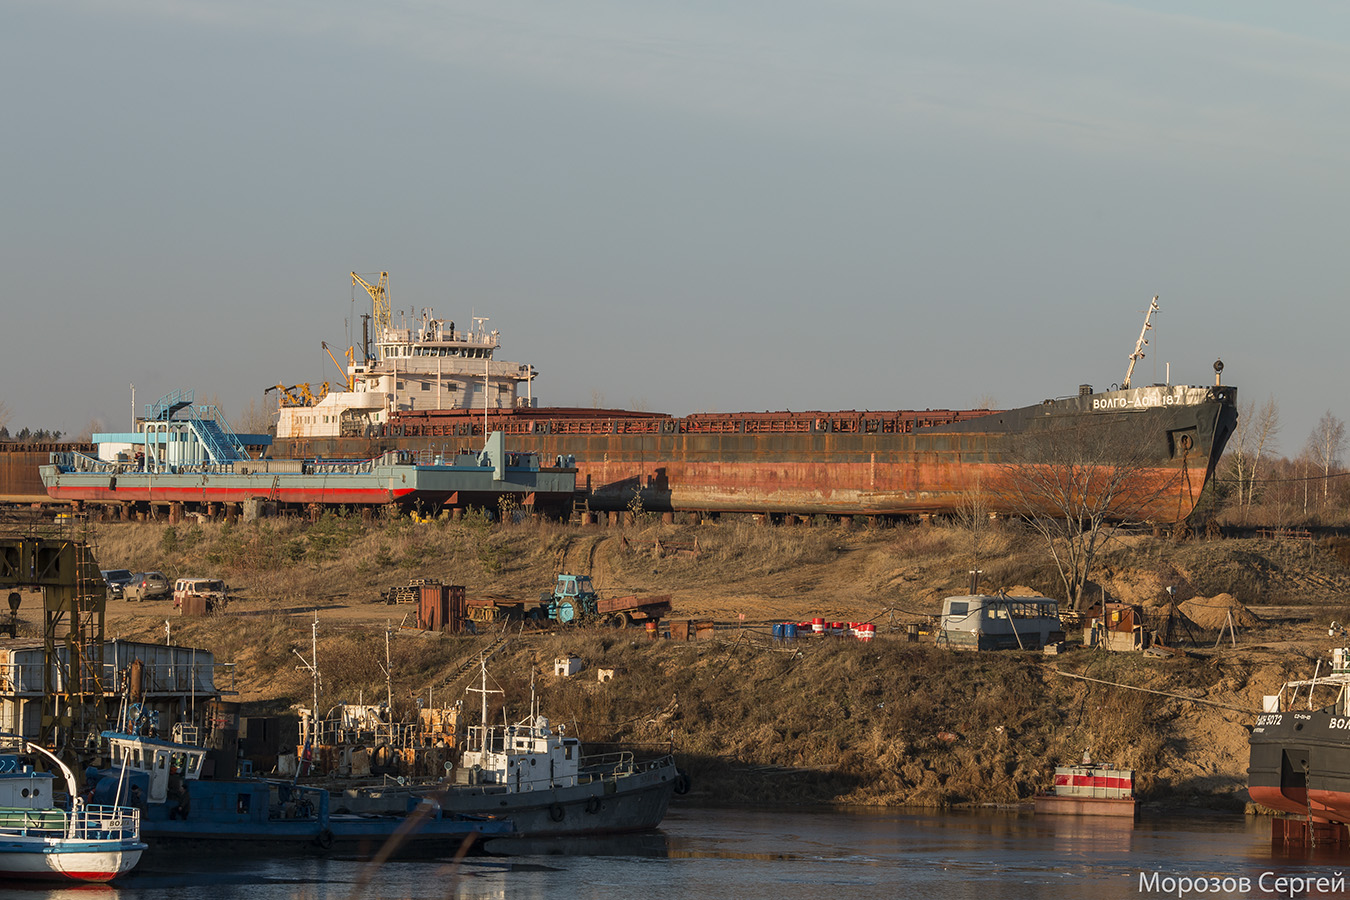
827, 463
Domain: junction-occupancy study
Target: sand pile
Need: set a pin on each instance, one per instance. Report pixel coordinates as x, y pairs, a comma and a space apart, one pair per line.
1212, 612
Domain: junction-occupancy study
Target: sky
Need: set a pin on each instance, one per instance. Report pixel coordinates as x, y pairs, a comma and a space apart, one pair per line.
681, 207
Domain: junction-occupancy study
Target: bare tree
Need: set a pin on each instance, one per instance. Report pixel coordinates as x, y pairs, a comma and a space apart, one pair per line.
257, 417
1253, 438
94, 426
972, 517
1324, 447
1072, 485
4, 416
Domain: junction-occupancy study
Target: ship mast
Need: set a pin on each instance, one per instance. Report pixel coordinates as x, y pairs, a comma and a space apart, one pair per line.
1139, 346
482, 664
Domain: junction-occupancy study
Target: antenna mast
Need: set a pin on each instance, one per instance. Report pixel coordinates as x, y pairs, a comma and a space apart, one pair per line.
1139, 346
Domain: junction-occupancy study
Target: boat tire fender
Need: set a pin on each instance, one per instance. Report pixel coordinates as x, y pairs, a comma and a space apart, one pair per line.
324, 839
556, 812
593, 805
682, 782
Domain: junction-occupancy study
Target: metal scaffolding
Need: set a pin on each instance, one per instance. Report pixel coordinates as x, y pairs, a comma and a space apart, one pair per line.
56, 554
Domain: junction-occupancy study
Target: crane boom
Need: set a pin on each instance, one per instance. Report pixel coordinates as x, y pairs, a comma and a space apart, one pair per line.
379, 295
346, 373
1138, 353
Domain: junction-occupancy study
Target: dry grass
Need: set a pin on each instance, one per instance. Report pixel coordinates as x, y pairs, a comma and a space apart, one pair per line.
825, 721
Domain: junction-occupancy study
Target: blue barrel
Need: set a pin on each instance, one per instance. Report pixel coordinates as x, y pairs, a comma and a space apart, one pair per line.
778, 631
790, 631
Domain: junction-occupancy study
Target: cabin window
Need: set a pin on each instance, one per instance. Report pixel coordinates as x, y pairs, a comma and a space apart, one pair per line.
193, 762
958, 609
426, 385
242, 805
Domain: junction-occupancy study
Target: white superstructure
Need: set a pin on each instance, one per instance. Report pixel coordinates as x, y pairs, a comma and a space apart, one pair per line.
430, 365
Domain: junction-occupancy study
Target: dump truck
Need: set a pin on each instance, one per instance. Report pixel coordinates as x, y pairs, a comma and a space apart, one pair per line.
574, 600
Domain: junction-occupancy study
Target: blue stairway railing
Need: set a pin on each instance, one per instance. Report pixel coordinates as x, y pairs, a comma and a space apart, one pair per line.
208, 425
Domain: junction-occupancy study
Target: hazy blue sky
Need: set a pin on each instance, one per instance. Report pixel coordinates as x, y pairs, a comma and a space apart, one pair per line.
687, 206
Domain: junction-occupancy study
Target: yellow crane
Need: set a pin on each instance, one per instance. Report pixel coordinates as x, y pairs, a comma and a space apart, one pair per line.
346, 373
288, 395
379, 295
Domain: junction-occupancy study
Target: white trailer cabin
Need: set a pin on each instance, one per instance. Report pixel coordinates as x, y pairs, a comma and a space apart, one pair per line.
1000, 622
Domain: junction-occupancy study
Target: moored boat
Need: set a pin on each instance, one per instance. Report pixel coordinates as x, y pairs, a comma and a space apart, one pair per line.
1088, 789
1300, 747
535, 774
182, 807
42, 841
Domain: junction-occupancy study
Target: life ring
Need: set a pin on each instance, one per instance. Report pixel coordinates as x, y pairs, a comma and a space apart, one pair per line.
324, 839
556, 812
682, 782
593, 805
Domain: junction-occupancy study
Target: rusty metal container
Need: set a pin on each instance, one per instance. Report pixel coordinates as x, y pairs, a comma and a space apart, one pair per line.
441, 607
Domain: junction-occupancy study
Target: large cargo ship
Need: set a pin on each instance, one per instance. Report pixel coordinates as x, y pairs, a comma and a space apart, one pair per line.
417, 390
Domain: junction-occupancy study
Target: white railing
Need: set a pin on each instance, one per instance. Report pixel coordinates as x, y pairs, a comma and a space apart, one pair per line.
90, 823
105, 823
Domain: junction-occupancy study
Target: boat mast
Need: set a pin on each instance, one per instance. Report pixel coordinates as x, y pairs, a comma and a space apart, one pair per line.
1139, 345
389, 684
314, 676
483, 716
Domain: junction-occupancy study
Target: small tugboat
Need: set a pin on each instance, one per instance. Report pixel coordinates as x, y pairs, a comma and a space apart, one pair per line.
1088, 789
42, 841
537, 776
165, 779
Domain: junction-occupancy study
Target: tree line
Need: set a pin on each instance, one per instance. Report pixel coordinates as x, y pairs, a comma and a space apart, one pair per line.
29, 436
1255, 485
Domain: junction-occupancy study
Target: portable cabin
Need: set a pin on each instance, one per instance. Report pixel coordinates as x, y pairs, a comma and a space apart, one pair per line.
984, 622
1117, 626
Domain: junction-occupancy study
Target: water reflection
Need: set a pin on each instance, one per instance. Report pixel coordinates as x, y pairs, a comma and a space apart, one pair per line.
770, 855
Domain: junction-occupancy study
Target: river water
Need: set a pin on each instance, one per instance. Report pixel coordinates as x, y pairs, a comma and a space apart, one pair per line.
780, 855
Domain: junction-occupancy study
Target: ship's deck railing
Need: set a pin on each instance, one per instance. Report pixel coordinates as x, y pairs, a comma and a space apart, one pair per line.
73, 461
849, 422
115, 823
605, 765
91, 823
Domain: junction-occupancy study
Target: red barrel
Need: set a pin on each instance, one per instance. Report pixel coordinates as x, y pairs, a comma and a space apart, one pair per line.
866, 631
818, 626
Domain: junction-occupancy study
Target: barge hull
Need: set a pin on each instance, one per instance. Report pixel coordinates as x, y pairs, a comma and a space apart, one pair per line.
836, 463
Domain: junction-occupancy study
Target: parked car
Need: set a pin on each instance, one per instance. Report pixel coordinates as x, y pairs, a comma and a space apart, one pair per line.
200, 596
117, 581
149, 586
